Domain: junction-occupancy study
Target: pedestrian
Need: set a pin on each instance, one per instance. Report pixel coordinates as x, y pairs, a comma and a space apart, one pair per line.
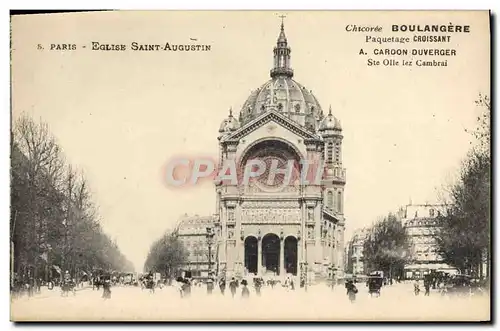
416, 287
210, 285
427, 287
179, 286
222, 285
257, 285
351, 290
186, 288
232, 286
245, 292
106, 294
287, 283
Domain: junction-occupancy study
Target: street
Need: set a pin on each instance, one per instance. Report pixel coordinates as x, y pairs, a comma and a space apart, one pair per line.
396, 302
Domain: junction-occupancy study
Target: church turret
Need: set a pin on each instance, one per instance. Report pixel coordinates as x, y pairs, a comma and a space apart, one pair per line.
282, 56
229, 124
331, 131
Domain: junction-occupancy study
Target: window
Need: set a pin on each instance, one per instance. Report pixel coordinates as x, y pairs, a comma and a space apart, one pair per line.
330, 199
329, 150
431, 212
297, 108
339, 201
230, 216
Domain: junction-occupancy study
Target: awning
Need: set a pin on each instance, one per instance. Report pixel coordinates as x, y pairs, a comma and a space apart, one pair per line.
430, 266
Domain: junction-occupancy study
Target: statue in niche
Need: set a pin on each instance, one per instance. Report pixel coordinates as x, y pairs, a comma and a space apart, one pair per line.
310, 233
310, 215
230, 233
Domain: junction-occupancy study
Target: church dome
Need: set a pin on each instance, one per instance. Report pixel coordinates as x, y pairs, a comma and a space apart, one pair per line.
282, 93
286, 96
330, 122
229, 124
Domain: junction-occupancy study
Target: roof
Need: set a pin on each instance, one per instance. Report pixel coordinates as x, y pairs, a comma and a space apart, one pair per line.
194, 224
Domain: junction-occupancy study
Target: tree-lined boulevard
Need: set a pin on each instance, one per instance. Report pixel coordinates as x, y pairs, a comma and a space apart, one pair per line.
397, 302
56, 230
54, 222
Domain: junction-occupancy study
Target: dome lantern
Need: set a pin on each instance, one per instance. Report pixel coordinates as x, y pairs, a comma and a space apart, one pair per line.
283, 94
282, 55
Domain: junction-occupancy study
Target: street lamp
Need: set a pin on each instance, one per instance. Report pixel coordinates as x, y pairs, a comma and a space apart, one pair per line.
210, 235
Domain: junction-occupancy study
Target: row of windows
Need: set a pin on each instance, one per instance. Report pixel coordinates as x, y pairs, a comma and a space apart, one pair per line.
330, 152
433, 213
330, 202
195, 243
200, 256
421, 223
428, 240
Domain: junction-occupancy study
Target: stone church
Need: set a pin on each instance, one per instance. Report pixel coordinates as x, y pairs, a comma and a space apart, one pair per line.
270, 229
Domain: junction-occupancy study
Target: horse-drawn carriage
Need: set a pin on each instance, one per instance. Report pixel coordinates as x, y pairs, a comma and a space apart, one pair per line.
148, 283
375, 282
68, 285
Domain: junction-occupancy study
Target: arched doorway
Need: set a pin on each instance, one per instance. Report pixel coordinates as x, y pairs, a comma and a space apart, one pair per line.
291, 255
271, 253
251, 254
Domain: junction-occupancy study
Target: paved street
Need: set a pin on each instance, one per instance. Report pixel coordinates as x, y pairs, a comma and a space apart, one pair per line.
397, 302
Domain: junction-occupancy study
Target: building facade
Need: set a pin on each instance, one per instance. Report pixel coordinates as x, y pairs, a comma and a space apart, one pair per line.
269, 227
272, 226
355, 261
192, 233
421, 225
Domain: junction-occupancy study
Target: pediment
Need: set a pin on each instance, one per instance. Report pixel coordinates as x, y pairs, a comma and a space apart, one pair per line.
266, 118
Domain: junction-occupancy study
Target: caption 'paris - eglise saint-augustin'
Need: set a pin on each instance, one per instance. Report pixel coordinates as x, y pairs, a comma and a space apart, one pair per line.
275, 230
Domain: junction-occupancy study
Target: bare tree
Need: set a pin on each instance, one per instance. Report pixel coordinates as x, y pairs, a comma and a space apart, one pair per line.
464, 236
54, 220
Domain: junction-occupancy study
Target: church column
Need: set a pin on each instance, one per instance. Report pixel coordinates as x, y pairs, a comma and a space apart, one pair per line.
299, 253
259, 256
282, 257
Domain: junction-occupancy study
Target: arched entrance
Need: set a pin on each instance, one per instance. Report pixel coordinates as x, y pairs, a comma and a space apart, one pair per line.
271, 253
251, 254
291, 255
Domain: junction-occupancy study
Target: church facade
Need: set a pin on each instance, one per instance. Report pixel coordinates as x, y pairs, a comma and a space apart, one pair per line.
271, 227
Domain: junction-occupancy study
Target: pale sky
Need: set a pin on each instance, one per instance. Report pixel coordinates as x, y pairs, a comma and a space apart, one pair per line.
119, 116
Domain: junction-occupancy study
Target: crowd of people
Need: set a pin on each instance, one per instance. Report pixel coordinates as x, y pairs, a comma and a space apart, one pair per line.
242, 287
185, 284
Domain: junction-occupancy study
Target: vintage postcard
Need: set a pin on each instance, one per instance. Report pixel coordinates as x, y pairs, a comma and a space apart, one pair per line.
250, 166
